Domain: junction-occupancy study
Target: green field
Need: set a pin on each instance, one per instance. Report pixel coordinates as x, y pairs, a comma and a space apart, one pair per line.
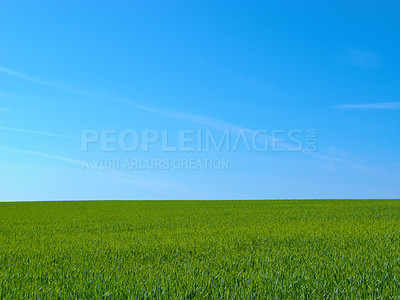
200, 249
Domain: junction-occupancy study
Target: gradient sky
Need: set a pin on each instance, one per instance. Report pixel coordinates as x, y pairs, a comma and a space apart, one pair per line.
68, 66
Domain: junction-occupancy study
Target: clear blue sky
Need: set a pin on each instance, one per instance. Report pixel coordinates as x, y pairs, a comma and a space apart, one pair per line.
68, 66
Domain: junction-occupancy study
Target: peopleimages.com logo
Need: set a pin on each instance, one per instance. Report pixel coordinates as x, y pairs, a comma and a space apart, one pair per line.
190, 140
182, 143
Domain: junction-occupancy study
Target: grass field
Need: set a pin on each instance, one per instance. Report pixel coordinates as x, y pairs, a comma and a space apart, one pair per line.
200, 249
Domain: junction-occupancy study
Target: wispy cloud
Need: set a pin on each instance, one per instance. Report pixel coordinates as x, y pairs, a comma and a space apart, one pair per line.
23, 76
183, 116
253, 84
38, 132
331, 159
70, 89
195, 118
114, 175
44, 155
361, 58
377, 105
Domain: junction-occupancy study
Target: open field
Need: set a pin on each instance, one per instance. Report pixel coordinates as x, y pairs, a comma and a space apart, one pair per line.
199, 249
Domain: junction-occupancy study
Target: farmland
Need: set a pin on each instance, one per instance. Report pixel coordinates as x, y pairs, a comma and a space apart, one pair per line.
200, 249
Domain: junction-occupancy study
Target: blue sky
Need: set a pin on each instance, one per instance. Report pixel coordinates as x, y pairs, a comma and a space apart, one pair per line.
71, 66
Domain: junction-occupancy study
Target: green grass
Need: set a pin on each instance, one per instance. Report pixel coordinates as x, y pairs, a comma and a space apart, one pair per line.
203, 249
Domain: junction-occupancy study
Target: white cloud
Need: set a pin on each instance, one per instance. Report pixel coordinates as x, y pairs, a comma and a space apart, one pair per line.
377, 105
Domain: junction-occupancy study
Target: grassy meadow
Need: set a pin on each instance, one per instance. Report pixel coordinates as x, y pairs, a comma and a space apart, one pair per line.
200, 249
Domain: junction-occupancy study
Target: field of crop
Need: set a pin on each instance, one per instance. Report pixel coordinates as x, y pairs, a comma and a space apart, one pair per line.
200, 249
